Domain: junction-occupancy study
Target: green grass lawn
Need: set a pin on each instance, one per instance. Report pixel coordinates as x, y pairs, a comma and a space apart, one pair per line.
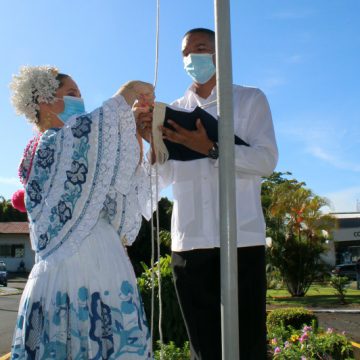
317, 296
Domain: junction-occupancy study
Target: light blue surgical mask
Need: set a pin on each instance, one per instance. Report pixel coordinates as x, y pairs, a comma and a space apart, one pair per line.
200, 67
72, 106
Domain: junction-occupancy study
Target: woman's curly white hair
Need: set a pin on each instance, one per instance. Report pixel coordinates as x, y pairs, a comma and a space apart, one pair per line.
33, 85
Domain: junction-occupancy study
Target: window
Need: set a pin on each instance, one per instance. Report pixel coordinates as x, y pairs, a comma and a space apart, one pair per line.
16, 251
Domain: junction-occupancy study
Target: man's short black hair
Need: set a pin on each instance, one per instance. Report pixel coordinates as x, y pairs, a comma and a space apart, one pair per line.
208, 32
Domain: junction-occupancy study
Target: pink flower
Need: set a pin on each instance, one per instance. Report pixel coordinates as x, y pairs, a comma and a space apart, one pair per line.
287, 344
303, 357
277, 350
307, 328
304, 337
274, 341
329, 330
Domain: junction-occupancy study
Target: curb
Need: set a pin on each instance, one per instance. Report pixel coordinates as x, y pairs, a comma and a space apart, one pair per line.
334, 311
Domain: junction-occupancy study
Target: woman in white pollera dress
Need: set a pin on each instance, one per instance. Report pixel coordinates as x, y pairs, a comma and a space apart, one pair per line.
85, 191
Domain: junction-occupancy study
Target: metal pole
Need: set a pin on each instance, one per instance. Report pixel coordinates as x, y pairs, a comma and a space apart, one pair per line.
228, 248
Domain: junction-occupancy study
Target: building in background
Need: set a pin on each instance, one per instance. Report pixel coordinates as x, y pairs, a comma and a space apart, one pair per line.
15, 247
344, 242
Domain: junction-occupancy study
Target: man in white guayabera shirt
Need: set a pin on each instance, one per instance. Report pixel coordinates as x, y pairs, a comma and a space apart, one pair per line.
195, 217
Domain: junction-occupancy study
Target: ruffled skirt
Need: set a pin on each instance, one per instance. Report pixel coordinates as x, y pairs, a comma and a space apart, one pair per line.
86, 307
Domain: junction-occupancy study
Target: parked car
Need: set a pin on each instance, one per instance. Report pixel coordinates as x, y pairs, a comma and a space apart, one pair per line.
348, 270
3, 274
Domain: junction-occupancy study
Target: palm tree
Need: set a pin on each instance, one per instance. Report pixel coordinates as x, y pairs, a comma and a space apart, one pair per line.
298, 234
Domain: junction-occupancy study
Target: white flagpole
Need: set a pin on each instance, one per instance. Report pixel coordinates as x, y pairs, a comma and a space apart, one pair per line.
228, 248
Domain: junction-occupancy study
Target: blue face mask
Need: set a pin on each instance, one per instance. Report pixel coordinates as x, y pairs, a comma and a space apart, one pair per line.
72, 106
200, 67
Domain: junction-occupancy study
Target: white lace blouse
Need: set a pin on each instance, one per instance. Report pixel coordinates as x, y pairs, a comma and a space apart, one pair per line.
88, 168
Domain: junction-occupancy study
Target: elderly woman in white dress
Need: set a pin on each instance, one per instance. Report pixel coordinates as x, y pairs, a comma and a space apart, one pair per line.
85, 191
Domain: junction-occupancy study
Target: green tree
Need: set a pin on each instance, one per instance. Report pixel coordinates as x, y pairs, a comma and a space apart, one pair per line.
8, 213
173, 327
297, 227
140, 251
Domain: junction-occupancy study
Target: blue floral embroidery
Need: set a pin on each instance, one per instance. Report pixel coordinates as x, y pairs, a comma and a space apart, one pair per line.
76, 177
45, 157
101, 329
34, 191
82, 126
110, 206
55, 350
33, 330
43, 241
43, 160
64, 212
77, 174
94, 324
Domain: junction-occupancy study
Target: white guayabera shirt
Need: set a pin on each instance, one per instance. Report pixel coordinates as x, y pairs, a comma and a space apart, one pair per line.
195, 218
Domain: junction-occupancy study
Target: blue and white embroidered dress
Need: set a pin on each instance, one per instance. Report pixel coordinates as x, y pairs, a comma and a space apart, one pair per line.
85, 192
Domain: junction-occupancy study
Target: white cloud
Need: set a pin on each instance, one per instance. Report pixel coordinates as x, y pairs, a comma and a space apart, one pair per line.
344, 200
290, 15
325, 139
332, 159
9, 181
271, 82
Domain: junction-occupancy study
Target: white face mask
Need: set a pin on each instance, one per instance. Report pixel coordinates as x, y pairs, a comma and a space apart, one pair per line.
200, 67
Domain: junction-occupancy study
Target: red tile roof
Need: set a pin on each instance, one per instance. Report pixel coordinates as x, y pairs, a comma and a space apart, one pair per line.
14, 227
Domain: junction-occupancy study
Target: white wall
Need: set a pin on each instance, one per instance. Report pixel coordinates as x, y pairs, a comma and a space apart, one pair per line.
12, 263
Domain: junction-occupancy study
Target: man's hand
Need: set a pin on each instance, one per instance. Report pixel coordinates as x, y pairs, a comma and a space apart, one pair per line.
196, 140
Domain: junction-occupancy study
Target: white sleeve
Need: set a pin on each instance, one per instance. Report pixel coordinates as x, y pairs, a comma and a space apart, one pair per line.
261, 156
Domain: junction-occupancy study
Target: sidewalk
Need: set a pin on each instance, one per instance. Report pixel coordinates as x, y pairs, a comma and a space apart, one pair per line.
4, 291
16, 283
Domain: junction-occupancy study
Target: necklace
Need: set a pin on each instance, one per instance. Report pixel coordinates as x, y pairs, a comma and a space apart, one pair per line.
27, 159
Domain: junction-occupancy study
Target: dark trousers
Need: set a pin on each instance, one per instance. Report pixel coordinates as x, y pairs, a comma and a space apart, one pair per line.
197, 281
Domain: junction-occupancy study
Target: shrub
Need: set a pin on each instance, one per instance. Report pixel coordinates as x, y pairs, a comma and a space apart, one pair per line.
339, 283
273, 278
173, 327
298, 261
309, 343
172, 352
294, 318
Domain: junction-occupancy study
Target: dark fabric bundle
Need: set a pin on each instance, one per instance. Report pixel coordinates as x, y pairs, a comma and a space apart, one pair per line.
187, 120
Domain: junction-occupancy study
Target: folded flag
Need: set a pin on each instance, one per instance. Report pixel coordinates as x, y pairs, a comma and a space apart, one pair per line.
167, 150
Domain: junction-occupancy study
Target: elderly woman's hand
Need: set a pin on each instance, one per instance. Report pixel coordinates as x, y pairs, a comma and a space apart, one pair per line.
137, 90
143, 113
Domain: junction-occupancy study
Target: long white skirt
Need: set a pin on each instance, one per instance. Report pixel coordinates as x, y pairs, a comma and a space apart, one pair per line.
86, 307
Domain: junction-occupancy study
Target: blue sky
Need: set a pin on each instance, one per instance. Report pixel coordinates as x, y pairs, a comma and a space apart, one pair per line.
304, 55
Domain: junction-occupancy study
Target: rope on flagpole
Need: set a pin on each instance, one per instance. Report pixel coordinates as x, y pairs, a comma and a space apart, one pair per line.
153, 228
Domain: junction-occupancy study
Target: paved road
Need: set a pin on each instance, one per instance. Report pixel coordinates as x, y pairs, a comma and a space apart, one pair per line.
8, 312
350, 323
